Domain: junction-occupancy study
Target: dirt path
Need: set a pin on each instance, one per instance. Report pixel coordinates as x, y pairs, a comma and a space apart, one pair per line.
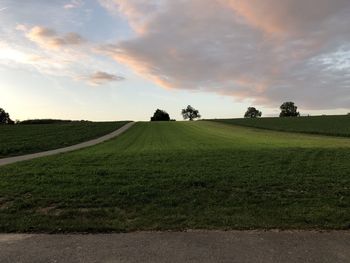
109, 136
197, 246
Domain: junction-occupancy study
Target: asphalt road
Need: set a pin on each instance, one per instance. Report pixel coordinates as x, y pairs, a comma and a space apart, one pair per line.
26, 157
197, 246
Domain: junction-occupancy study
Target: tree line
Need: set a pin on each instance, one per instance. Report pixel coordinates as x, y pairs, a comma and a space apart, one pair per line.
5, 119
188, 113
288, 109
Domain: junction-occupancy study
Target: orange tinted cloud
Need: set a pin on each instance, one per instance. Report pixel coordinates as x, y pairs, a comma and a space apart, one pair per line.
137, 64
101, 77
286, 17
261, 50
49, 39
138, 12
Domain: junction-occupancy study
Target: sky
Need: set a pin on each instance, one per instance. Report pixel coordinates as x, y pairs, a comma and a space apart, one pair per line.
123, 59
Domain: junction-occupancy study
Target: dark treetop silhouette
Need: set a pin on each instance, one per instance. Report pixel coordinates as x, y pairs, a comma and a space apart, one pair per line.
160, 115
5, 117
288, 109
252, 113
190, 113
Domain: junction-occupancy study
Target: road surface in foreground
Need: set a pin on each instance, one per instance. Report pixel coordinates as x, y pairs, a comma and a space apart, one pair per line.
197, 246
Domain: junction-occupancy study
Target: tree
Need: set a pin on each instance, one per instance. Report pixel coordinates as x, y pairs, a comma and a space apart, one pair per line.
252, 113
160, 115
190, 113
5, 117
288, 109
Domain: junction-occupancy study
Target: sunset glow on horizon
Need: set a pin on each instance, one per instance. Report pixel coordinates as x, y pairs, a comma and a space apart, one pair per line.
123, 59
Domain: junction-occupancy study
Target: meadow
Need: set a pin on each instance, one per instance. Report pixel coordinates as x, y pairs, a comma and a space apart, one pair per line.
326, 125
183, 175
25, 139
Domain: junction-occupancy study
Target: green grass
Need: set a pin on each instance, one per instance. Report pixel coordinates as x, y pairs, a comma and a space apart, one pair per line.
176, 176
326, 125
24, 139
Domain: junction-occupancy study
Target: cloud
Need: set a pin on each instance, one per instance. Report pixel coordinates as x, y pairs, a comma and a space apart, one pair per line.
100, 78
138, 12
15, 56
287, 16
73, 4
49, 39
65, 55
21, 27
263, 51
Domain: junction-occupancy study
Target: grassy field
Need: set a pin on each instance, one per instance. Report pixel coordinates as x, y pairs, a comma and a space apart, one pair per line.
24, 139
326, 125
182, 175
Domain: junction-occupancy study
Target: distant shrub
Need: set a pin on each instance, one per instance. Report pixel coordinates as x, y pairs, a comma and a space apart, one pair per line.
48, 121
160, 115
190, 113
5, 117
252, 113
288, 109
